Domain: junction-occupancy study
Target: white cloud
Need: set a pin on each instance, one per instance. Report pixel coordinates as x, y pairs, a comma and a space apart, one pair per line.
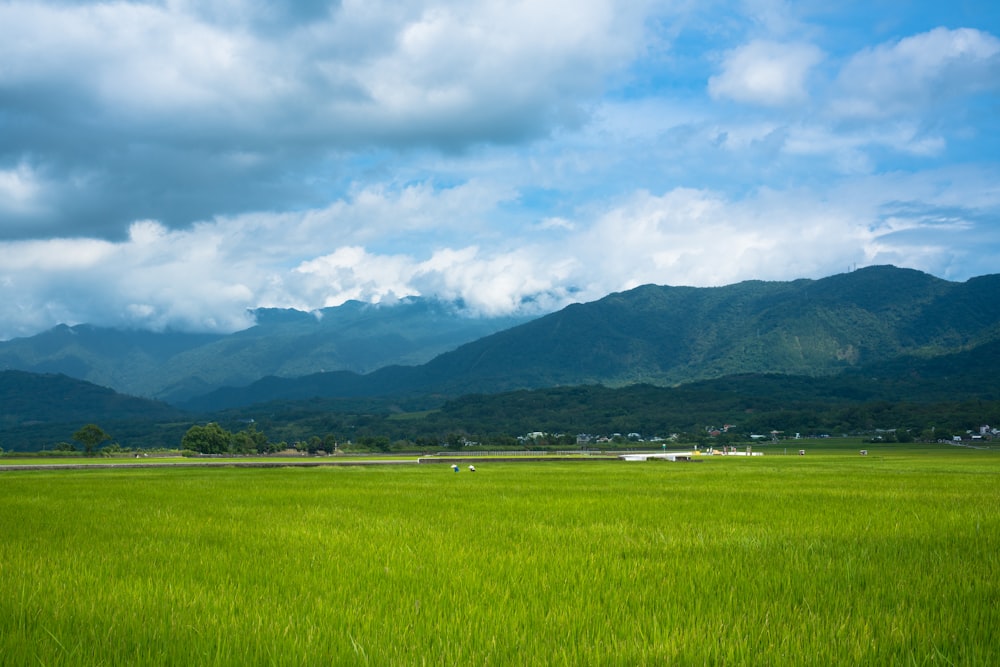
698, 237
908, 75
127, 57
433, 66
349, 273
901, 99
766, 73
531, 278
21, 190
247, 106
556, 223
205, 278
59, 256
509, 53
371, 149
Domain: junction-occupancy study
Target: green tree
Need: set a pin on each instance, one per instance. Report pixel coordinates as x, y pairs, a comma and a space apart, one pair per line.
248, 441
242, 443
90, 436
208, 439
260, 441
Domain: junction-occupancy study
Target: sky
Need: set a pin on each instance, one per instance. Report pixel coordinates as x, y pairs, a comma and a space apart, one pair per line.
174, 164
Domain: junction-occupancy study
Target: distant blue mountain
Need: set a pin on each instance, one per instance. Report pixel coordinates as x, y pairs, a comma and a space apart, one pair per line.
174, 366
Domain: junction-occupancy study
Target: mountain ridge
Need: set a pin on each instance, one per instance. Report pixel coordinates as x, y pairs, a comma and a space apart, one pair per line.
930, 385
174, 366
665, 335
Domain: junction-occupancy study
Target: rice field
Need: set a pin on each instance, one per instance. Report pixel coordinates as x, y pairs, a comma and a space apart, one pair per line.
827, 559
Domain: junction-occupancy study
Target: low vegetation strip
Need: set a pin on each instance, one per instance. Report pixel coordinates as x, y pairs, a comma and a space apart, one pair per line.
538, 458
229, 463
829, 558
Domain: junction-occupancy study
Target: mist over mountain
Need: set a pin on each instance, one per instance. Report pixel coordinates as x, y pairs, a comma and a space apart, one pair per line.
665, 336
175, 366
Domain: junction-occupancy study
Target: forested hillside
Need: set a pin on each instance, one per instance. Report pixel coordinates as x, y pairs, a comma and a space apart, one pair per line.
947, 395
175, 366
39, 410
671, 335
875, 348
943, 395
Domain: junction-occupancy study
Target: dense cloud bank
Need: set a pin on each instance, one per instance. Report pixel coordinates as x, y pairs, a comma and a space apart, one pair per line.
172, 164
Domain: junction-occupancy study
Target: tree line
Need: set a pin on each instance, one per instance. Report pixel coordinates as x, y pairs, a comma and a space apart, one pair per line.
213, 439
753, 406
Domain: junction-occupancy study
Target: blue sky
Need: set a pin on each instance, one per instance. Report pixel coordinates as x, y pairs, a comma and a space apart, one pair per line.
175, 163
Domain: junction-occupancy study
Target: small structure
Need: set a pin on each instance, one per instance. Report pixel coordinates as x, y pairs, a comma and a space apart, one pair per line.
665, 456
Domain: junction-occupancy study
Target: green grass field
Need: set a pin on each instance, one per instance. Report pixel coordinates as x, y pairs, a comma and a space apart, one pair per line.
830, 558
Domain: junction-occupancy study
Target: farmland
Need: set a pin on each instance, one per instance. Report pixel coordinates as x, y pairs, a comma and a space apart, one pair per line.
830, 558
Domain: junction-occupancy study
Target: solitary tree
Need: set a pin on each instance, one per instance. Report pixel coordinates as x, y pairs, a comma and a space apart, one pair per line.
90, 436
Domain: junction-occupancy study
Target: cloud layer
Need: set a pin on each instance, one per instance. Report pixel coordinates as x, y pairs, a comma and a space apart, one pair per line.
181, 111
172, 164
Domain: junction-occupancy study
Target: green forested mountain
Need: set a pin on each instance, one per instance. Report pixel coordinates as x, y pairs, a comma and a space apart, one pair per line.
668, 335
957, 391
950, 393
174, 366
658, 335
875, 348
43, 397
664, 336
132, 362
39, 410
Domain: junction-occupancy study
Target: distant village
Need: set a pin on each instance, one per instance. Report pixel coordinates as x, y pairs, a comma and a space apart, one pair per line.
983, 433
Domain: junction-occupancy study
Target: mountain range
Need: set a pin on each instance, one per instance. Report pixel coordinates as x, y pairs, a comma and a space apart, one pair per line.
879, 335
175, 366
666, 336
